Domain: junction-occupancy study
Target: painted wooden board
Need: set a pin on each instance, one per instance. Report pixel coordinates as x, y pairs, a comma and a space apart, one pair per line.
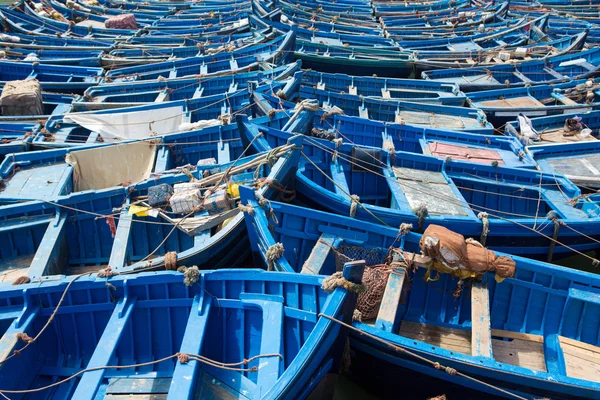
481, 341
388, 310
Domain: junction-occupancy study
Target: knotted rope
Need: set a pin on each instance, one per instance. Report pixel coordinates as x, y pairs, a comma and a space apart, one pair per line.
337, 280
191, 275
483, 216
246, 209
421, 212
354, 206
107, 272
171, 261
273, 254
553, 216
405, 228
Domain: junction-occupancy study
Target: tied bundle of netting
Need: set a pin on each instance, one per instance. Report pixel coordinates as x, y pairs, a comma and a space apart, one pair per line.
373, 256
374, 278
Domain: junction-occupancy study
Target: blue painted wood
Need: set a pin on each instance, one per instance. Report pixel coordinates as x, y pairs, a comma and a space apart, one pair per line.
272, 337
543, 301
185, 375
105, 349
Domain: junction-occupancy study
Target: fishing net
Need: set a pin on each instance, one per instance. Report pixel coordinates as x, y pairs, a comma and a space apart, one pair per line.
374, 278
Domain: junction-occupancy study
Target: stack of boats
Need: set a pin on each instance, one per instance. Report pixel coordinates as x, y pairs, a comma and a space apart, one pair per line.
231, 199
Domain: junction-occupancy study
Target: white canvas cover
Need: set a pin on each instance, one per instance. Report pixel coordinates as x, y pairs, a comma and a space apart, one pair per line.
130, 125
109, 166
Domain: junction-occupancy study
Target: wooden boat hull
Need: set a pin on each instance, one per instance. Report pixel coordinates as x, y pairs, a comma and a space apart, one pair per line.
169, 318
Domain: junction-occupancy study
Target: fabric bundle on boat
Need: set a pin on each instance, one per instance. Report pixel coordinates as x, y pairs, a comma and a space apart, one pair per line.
123, 21
22, 98
109, 166
452, 254
130, 125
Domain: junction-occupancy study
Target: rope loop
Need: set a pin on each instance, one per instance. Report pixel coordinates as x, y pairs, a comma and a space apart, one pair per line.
354, 206
483, 216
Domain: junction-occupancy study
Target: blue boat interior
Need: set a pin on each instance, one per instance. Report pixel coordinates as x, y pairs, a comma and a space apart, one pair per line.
147, 320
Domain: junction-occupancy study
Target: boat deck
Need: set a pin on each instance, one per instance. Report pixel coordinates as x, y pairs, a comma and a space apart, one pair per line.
425, 188
580, 166
513, 102
559, 135
44, 181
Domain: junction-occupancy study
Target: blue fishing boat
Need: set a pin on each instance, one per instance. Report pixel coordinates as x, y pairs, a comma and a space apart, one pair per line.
231, 334
392, 137
15, 137
388, 88
516, 210
505, 105
104, 223
527, 330
550, 70
391, 110
277, 51
425, 60
54, 78
109, 125
128, 94
561, 128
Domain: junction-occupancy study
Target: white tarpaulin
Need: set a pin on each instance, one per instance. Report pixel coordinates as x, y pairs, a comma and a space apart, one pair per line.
130, 125
108, 166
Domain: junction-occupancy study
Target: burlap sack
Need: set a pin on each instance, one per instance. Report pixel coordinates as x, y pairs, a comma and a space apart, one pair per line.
450, 248
22, 98
479, 258
505, 267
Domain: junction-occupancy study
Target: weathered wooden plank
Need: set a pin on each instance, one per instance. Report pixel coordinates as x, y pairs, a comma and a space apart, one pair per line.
481, 335
318, 255
118, 255
388, 310
185, 375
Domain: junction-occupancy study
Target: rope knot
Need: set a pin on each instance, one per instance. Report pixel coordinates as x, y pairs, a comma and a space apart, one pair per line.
405, 228
357, 316
437, 365
483, 216
246, 209
25, 337
171, 261
107, 272
354, 206
421, 212
337, 280
183, 358
273, 254
191, 275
